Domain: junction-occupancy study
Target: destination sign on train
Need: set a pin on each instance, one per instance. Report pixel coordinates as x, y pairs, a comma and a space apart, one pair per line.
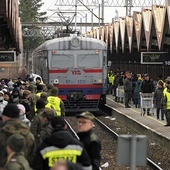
152, 57
7, 56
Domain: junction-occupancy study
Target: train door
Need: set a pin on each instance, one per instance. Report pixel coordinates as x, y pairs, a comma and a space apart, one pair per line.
44, 70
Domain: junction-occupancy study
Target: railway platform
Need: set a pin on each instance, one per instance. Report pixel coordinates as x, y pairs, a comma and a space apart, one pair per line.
146, 125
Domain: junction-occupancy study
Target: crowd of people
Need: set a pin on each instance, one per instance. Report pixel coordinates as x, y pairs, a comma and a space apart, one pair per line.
135, 85
34, 134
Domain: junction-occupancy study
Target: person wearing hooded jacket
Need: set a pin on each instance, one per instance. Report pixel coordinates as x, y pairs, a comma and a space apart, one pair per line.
60, 145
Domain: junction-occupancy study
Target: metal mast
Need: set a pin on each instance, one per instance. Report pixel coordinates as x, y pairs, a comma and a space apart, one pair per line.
80, 9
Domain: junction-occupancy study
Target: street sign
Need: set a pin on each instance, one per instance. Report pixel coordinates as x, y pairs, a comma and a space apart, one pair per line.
7, 56
152, 57
109, 63
132, 150
166, 59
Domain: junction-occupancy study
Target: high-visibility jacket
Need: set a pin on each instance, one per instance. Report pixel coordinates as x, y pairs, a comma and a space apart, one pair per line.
111, 78
48, 105
165, 90
55, 102
60, 145
39, 94
53, 154
168, 100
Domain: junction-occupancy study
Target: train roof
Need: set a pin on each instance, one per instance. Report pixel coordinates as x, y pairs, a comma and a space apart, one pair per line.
94, 43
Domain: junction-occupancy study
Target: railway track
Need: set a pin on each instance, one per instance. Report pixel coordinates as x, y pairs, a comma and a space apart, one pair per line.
109, 144
115, 136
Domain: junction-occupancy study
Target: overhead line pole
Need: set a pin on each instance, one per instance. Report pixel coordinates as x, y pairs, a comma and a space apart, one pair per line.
75, 15
89, 9
102, 11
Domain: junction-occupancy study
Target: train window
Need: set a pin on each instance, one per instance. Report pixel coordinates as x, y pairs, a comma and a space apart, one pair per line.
88, 60
62, 61
45, 53
45, 62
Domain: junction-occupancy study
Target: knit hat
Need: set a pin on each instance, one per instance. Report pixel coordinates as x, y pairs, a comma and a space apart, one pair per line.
15, 90
168, 79
40, 104
54, 91
48, 113
58, 122
38, 78
44, 95
16, 142
50, 86
11, 110
21, 108
146, 75
26, 92
2, 92
86, 115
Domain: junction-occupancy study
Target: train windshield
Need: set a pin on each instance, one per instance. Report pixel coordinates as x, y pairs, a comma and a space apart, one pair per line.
62, 61
88, 60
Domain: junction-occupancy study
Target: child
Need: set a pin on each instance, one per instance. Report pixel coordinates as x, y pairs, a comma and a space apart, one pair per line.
158, 95
16, 159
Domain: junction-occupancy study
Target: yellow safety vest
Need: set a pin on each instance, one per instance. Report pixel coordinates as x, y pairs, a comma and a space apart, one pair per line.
165, 90
49, 105
168, 100
55, 102
111, 77
53, 154
39, 94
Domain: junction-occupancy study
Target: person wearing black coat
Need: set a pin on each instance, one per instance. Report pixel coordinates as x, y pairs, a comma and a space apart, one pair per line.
147, 86
89, 138
60, 145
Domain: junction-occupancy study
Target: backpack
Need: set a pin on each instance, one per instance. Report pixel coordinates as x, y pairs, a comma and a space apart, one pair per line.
16, 126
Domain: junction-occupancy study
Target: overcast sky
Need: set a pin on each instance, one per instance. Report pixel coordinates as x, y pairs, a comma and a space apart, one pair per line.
109, 13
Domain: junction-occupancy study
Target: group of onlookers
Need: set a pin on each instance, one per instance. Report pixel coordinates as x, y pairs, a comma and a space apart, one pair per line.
33, 131
135, 85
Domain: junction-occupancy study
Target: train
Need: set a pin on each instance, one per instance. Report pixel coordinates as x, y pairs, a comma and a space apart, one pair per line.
77, 66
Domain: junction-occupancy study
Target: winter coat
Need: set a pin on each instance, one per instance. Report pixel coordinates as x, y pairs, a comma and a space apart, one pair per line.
147, 86
137, 90
9, 128
63, 142
127, 85
92, 146
17, 162
158, 97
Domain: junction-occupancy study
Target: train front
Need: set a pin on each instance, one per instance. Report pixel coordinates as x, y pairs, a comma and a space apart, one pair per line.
79, 70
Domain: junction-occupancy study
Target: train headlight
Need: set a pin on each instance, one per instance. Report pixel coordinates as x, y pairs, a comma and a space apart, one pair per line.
75, 42
97, 81
56, 81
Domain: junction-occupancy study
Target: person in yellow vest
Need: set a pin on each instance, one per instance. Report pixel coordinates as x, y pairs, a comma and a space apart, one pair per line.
39, 90
166, 84
56, 102
110, 82
44, 96
166, 101
60, 145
